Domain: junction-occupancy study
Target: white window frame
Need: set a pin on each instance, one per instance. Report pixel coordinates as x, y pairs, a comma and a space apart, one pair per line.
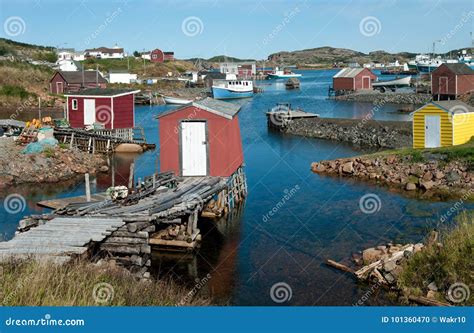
74, 104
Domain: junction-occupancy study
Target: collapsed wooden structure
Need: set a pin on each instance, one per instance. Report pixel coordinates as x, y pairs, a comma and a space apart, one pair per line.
162, 212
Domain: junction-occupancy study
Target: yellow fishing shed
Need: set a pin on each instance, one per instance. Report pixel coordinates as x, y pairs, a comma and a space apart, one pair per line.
442, 124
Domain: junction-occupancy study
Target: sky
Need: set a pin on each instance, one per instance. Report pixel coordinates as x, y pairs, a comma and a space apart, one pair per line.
250, 29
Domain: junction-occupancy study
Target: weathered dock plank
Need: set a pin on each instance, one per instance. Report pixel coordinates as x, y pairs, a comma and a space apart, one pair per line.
60, 237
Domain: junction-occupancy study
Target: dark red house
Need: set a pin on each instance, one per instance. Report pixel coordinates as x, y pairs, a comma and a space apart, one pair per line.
353, 79
66, 82
114, 108
168, 56
451, 80
201, 139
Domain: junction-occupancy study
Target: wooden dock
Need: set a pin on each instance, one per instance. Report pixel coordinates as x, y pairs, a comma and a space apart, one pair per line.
103, 141
161, 211
282, 115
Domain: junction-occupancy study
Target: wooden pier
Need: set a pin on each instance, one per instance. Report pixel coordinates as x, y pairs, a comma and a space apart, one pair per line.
101, 141
162, 211
282, 115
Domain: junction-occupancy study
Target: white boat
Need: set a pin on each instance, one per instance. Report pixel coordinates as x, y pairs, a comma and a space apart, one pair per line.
279, 74
175, 100
230, 89
391, 84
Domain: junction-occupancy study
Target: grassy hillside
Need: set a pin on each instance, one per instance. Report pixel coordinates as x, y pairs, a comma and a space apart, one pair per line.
25, 51
140, 67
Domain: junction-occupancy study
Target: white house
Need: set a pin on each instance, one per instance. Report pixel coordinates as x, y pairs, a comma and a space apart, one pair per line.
146, 56
241, 69
105, 53
118, 76
68, 65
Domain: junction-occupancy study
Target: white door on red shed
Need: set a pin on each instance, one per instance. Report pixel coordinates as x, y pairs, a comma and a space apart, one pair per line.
432, 132
89, 111
193, 148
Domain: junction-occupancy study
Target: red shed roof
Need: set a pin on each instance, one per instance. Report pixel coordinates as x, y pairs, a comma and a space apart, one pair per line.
459, 69
103, 92
220, 108
350, 72
79, 77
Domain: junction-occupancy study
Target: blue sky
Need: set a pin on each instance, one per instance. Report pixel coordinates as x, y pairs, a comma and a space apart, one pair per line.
245, 29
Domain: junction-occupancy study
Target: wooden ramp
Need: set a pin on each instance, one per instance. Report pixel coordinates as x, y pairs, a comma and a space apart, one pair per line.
60, 239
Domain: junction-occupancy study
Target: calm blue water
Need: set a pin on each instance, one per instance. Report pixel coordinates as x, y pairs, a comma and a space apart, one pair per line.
320, 217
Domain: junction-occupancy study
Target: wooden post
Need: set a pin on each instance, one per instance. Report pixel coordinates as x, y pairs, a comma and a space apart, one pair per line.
130, 177
88, 188
72, 141
113, 173
154, 180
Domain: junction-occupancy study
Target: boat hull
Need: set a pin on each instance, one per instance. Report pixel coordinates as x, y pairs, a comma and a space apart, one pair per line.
426, 68
222, 93
282, 76
177, 101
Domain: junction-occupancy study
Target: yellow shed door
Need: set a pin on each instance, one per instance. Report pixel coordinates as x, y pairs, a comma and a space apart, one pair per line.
432, 131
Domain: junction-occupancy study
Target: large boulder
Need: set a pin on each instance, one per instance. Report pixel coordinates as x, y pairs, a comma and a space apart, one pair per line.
128, 148
371, 255
348, 167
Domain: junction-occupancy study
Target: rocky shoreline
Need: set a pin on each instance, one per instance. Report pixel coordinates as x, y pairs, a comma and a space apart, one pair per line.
435, 177
359, 132
379, 98
56, 164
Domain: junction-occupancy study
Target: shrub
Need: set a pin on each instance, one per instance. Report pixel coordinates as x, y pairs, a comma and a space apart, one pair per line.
445, 264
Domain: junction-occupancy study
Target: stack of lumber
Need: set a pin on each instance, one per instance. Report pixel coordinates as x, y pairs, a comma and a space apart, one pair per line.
129, 247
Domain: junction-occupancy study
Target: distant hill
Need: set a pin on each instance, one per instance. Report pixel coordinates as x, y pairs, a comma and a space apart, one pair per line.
327, 55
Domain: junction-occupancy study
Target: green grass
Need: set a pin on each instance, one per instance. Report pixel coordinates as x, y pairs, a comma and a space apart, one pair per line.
28, 283
446, 265
462, 153
14, 91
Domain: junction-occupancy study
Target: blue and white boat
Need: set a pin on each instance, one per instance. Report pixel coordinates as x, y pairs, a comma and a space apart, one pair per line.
230, 89
467, 59
279, 74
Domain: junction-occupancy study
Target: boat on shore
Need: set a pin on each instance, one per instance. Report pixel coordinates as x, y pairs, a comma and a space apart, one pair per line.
282, 74
176, 100
232, 89
392, 84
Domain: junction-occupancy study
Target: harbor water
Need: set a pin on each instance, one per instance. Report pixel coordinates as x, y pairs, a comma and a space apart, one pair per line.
292, 220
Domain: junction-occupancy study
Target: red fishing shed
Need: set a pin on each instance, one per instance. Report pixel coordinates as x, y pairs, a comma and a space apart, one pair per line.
451, 80
114, 108
353, 79
201, 139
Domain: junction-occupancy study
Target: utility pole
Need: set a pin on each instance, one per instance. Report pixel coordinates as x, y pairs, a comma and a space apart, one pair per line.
144, 68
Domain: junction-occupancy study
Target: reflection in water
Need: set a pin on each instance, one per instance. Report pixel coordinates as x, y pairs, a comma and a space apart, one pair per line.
216, 259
